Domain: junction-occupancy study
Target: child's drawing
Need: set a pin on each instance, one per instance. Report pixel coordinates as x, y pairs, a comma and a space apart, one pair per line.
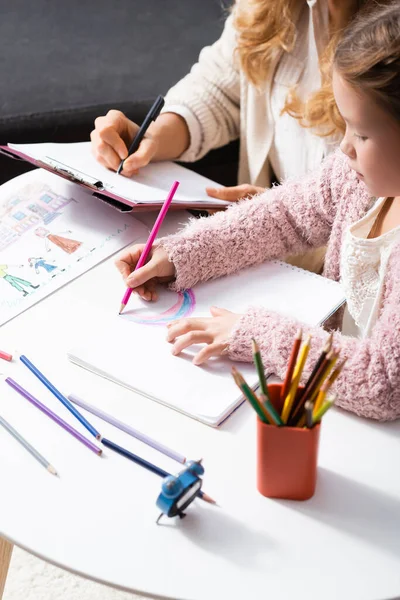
67, 244
22, 285
40, 262
183, 307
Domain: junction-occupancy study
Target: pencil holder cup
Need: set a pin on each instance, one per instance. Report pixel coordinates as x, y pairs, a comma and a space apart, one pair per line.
286, 457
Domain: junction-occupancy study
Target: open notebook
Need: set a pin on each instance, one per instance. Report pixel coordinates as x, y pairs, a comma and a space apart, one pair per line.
137, 355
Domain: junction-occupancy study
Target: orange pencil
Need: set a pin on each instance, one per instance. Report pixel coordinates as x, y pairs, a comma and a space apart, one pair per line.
327, 385
291, 364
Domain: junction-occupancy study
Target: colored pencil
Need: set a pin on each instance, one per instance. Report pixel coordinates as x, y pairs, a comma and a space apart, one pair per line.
260, 369
25, 394
5, 355
250, 395
333, 357
273, 415
323, 371
336, 372
17, 436
127, 429
146, 464
308, 407
313, 387
317, 417
60, 396
311, 380
296, 379
149, 243
291, 364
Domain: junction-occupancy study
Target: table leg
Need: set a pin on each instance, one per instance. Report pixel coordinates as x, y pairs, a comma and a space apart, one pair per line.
5, 558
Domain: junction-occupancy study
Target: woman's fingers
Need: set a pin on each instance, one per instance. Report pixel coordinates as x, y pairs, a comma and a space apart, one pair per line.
141, 157
234, 193
104, 153
214, 349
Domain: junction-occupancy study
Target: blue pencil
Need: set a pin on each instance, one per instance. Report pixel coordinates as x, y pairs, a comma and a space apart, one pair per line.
60, 397
146, 464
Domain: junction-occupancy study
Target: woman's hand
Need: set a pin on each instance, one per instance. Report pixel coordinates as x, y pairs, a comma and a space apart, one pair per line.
213, 331
111, 138
158, 269
235, 193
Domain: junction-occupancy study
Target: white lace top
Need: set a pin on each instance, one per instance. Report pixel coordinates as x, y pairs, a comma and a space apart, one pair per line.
363, 266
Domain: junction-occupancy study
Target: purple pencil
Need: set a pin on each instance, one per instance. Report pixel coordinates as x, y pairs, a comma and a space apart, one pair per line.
127, 429
18, 388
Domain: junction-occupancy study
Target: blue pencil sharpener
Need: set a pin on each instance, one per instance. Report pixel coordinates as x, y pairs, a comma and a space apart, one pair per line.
178, 491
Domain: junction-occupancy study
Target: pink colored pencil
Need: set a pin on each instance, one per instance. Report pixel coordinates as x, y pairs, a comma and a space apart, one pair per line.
151, 239
5, 355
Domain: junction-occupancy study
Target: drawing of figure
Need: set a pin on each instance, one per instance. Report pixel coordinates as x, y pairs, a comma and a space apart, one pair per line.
16, 282
36, 263
69, 246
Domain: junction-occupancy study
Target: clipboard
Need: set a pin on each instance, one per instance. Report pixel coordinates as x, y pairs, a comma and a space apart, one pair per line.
144, 192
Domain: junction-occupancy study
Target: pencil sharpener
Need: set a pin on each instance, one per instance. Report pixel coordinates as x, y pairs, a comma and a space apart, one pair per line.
178, 491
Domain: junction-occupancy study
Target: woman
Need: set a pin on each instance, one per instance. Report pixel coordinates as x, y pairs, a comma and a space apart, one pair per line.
260, 82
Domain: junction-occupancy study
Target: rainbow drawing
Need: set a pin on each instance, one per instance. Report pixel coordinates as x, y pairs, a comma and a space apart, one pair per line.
183, 307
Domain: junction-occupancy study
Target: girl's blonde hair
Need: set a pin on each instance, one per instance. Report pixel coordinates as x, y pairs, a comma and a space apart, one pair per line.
266, 27
368, 56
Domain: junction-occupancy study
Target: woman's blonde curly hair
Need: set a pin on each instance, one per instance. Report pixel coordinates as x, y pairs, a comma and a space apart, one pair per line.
266, 27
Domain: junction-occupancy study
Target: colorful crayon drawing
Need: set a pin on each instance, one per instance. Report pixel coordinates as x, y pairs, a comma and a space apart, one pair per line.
67, 244
183, 307
21, 285
38, 263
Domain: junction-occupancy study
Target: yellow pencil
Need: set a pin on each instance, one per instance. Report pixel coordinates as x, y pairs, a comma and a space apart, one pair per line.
287, 406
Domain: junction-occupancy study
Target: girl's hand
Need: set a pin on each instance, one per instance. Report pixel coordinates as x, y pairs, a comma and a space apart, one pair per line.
235, 193
111, 138
213, 331
158, 269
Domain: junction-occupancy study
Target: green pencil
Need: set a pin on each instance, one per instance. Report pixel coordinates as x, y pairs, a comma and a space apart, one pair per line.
273, 414
320, 413
249, 395
260, 370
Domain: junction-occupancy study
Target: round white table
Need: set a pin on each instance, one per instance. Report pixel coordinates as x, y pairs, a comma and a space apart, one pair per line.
98, 517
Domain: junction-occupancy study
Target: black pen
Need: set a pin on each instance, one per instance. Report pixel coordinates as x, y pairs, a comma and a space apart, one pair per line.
151, 116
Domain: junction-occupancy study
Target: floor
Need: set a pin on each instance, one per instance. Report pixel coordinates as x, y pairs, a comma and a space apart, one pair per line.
29, 578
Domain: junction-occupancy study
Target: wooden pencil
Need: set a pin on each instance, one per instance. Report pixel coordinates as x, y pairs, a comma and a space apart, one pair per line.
291, 364
326, 349
323, 372
250, 395
308, 393
296, 379
308, 407
260, 369
317, 417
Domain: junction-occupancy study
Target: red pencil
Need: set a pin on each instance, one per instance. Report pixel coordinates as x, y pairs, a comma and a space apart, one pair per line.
291, 364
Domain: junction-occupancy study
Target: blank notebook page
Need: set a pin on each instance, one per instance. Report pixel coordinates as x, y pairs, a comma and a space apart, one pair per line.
137, 355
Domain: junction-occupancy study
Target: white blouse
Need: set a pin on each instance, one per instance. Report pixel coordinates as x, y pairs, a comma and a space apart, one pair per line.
363, 268
306, 149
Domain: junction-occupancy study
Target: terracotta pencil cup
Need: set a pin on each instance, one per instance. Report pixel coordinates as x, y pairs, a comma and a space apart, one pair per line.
286, 457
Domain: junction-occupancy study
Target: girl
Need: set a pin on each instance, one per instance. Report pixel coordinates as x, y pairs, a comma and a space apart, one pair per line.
351, 204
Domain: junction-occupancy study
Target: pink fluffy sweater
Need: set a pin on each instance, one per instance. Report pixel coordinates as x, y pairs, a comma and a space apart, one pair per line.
288, 220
